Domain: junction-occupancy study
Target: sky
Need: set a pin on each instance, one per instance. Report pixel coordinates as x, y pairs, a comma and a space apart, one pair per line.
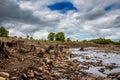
78, 19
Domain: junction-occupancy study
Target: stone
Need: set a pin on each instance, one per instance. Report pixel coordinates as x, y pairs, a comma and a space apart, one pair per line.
4, 74
118, 77
42, 50
51, 51
100, 78
24, 75
40, 68
101, 70
2, 78
36, 73
13, 78
88, 79
81, 49
108, 79
30, 74
48, 61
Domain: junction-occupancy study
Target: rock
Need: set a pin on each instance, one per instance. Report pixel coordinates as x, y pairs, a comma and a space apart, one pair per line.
48, 61
65, 50
101, 70
113, 63
30, 74
118, 77
24, 75
42, 50
88, 79
51, 51
36, 73
4, 74
13, 78
97, 63
113, 75
110, 67
40, 68
100, 78
51, 47
91, 78
108, 79
2, 78
81, 49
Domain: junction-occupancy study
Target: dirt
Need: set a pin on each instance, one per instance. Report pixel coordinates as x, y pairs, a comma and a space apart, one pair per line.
33, 60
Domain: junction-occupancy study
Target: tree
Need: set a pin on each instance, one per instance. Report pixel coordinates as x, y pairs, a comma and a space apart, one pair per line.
60, 36
68, 40
27, 36
3, 32
31, 38
51, 36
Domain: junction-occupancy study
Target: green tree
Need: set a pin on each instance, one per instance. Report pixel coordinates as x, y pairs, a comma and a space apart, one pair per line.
31, 38
3, 32
20, 38
51, 36
27, 36
60, 36
68, 39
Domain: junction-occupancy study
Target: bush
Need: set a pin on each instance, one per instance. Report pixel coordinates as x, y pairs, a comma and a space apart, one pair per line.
101, 41
116, 43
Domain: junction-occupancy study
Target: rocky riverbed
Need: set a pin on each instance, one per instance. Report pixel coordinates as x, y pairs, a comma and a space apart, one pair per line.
34, 60
97, 62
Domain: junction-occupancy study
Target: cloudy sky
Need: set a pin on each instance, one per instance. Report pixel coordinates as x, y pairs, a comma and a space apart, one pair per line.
78, 19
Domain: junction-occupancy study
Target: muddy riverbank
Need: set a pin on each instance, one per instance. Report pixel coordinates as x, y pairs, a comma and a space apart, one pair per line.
34, 60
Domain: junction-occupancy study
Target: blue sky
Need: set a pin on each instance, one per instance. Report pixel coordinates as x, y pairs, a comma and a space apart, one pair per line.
78, 19
112, 7
62, 7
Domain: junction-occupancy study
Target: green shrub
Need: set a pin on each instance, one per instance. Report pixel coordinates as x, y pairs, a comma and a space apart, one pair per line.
101, 41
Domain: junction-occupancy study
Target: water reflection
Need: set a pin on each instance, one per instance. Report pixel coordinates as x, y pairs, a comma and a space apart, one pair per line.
108, 59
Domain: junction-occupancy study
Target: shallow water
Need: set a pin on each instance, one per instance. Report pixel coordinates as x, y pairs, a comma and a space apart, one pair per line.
95, 56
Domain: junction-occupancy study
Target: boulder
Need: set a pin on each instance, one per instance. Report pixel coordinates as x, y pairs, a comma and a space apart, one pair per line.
52, 51
5, 74
108, 79
101, 70
13, 78
30, 73
81, 49
41, 52
2, 78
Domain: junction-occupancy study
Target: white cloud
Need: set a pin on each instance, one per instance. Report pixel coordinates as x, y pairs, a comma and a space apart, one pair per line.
42, 34
34, 18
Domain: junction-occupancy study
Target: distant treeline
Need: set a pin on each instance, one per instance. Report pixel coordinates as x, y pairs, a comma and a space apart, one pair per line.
103, 41
60, 36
